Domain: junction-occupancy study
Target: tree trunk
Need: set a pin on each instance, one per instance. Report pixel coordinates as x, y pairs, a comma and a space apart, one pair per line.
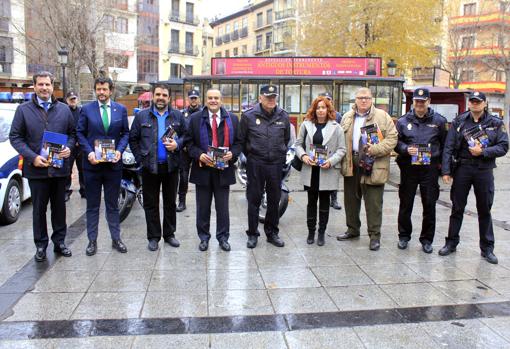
507, 96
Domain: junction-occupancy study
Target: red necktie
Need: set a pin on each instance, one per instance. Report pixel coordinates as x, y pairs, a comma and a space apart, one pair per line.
214, 131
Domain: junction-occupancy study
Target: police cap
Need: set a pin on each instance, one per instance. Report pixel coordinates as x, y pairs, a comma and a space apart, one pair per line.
71, 95
327, 95
480, 96
193, 93
269, 90
421, 94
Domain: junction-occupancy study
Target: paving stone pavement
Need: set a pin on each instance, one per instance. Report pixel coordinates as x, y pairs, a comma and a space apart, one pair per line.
283, 284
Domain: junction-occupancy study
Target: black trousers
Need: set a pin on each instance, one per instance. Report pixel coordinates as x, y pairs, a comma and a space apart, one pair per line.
50, 190
426, 177
76, 156
204, 195
323, 198
482, 181
268, 177
184, 174
152, 184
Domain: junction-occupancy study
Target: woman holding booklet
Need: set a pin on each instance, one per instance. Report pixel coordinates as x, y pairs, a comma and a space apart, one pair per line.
321, 146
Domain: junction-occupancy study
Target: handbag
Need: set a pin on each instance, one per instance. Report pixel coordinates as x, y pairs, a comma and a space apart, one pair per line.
296, 162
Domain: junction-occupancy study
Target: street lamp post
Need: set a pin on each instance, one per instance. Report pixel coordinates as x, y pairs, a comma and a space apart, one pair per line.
392, 67
63, 54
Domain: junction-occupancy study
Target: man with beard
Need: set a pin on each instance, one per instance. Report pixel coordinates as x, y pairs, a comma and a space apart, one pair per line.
159, 157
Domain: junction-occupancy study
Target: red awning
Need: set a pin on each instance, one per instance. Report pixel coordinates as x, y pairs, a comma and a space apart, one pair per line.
145, 97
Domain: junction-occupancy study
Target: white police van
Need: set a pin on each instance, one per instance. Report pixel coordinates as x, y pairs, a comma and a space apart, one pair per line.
14, 188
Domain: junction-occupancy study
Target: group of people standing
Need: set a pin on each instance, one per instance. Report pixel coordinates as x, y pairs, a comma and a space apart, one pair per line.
263, 134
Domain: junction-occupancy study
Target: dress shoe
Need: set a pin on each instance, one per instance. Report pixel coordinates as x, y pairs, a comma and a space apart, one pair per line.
375, 244
311, 238
119, 246
62, 250
252, 241
275, 240
446, 250
320, 239
347, 236
224, 245
334, 201
402, 244
181, 206
91, 248
153, 245
427, 248
490, 257
172, 241
40, 254
204, 245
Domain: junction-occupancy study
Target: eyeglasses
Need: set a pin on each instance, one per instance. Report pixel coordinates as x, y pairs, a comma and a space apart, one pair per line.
364, 98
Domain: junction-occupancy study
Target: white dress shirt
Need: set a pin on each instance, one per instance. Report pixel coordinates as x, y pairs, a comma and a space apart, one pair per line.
359, 121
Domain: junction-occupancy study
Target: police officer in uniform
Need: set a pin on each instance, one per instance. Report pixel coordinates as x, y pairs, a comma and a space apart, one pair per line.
193, 107
264, 133
334, 194
471, 164
420, 126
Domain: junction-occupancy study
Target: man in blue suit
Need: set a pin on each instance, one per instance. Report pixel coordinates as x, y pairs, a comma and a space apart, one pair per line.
103, 120
212, 126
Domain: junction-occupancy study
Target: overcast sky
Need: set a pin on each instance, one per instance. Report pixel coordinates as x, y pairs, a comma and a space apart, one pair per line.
221, 8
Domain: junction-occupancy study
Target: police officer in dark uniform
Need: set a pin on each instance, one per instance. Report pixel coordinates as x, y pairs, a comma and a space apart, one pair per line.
475, 139
264, 133
193, 106
421, 137
334, 194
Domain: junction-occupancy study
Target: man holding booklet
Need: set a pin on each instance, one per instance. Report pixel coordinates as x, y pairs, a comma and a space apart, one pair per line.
211, 143
421, 137
43, 133
103, 133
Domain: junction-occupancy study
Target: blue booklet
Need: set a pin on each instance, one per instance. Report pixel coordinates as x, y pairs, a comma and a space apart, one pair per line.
52, 144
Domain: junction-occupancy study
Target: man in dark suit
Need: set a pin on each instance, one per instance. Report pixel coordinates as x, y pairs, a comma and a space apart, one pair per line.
76, 156
212, 126
160, 163
103, 120
47, 183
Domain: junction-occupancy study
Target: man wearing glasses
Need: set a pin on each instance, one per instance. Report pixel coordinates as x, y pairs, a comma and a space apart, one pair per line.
363, 182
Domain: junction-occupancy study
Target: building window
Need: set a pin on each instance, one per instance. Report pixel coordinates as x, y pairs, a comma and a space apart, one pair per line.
259, 43
6, 55
269, 37
227, 53
188, 69
116, 61
174, 70
470, 9
217, 54
227, 29
467, 75
109, 23
174, 40
190, 13
467, 42
245, 22
269, 16
236, 26
5, 14
175, 9
236, 52
260, 20
189, 43
244, 50
122, 25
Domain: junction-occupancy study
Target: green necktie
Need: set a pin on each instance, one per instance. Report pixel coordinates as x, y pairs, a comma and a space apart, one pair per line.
105, 117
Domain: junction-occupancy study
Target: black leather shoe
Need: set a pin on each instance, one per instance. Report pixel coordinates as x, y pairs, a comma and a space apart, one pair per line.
40, 254
320, 239
275, 240
402, 244
153, 245
91, 248
311, 238
224, 245
347, 236
62, 250
204, 245
427, 248
375, 244
172, 241
119, 246
490, 257
446, 250
252, 241
181, 206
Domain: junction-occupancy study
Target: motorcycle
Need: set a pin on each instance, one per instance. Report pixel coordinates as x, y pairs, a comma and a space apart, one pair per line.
284, 198
130, 185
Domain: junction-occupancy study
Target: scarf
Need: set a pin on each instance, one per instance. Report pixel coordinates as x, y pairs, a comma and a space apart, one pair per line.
228, 131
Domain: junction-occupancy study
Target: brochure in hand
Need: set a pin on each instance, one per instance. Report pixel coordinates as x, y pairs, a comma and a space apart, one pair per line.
52, 144
424, 154
476, 134
217, 154
105, 150
168, 135
319, 153
370, 134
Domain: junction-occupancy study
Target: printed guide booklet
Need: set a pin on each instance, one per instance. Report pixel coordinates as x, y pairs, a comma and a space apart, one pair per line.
52, 144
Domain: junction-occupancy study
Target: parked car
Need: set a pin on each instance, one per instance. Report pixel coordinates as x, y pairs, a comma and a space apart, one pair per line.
14, 188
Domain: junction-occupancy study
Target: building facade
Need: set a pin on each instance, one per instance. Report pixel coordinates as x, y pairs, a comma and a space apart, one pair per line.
148, 41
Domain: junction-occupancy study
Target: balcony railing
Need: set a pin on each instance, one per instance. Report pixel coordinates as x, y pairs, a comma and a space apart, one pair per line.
218, 41
235, 35
188, 50
244, 32
147, 77
261, 48
5, 68
284, 14
226, 38
282, 46
176, 17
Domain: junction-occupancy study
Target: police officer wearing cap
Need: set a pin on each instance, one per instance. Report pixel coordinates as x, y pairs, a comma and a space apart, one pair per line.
472, 164
73, 102
334, 194
264, 133
193, 107
421, 126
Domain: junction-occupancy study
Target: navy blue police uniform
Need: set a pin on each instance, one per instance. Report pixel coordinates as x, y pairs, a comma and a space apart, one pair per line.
264, 137
477, 171
431, 129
